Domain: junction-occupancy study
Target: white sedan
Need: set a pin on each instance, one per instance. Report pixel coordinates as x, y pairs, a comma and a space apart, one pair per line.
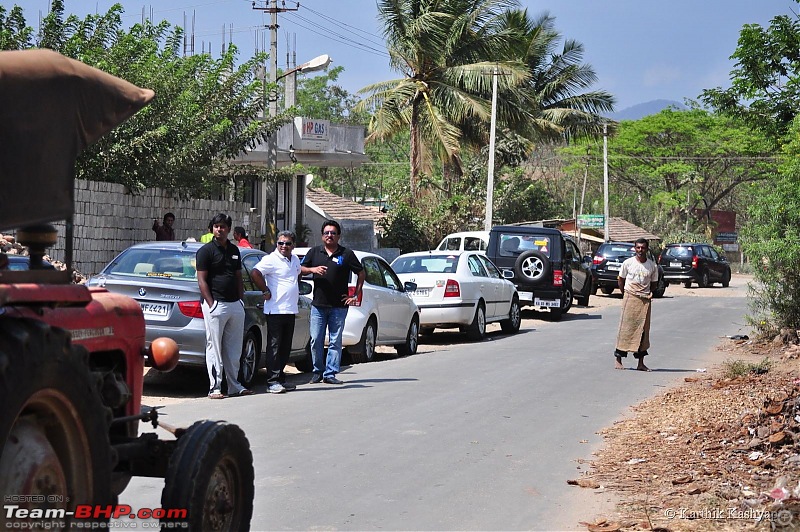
459, 289
385, 314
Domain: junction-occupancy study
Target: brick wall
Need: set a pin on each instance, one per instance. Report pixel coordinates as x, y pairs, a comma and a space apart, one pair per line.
108, 220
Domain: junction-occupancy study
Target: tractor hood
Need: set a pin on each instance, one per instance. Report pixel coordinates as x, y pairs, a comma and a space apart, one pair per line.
51, 109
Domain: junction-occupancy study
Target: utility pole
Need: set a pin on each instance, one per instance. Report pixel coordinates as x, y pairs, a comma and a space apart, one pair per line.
487, 224
607, 238
272, 140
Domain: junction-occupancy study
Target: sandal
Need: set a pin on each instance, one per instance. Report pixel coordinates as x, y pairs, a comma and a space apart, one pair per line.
216, 395
246, 392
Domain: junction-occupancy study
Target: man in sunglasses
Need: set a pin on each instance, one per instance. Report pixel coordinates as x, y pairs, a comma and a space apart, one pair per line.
276, 275
331, 265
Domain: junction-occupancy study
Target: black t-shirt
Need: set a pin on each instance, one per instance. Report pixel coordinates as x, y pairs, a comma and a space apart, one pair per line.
221, 263
330, 288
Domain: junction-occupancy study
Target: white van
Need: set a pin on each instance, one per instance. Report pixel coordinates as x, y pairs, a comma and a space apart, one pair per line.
465, 241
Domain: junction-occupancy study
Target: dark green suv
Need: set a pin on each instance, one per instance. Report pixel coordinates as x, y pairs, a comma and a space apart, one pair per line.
546, 267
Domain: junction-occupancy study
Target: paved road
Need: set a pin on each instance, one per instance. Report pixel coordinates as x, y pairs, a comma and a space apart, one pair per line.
462, 436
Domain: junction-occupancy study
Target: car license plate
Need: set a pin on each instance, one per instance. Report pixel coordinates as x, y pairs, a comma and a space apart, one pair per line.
675, 265
154, 309
614, 266
553, 303
422, 292
525, 296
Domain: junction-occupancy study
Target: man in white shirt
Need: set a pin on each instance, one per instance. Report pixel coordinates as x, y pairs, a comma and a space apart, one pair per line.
277, 275
637, 279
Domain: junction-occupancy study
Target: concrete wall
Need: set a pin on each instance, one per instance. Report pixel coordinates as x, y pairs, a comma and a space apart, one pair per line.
108, 220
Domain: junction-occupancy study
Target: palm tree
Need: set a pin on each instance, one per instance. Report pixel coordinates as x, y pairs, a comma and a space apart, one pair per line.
446, 51
552, 96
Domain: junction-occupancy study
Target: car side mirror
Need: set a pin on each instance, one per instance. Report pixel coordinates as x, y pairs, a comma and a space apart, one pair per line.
408, 286
305, 288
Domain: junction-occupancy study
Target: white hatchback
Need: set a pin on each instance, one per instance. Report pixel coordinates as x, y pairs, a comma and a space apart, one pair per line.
385, 315
465, 241
460, 289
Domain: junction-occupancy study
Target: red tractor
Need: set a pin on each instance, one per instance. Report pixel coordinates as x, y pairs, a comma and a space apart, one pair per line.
71, 357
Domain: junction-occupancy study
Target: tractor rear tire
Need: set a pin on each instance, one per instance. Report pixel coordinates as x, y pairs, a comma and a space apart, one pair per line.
53, 424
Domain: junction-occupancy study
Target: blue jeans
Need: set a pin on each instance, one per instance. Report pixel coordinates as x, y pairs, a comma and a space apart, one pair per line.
332, 319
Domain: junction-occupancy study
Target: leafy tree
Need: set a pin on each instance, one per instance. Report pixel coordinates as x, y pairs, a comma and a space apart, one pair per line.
772, 240
521, 199
446, 51
659, 161
206, 110
15, 34
765, 84
320, 97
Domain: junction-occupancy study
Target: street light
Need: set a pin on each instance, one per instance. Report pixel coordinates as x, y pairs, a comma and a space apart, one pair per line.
318, 63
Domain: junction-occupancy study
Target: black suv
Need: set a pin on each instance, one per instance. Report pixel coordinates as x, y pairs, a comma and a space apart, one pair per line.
699, 263
606, 265
546, 267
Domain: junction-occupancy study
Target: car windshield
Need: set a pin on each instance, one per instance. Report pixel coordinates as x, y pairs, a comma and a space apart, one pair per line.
619, 251
516, 244
427, 263
679, 252
171, 264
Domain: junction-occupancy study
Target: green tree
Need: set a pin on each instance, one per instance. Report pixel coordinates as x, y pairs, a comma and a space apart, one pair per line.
15, 34
765, 83
446, 51
771, 239
658, 162
320, 97
206, 110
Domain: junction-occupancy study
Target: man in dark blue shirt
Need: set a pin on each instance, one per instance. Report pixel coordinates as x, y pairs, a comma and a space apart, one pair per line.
219, 274
331, 265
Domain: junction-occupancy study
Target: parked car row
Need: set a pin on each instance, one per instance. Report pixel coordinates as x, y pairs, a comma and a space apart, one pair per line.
451, 287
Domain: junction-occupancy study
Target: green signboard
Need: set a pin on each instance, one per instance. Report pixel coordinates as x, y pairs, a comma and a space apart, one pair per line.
591, 220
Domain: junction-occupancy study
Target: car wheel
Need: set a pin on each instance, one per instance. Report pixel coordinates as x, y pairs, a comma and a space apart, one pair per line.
305, 364
704, 281
566, 298
210, 475
726, 279
477, 329
250, 360
364, 350
607, 290
412, 339
532, 266
514, 320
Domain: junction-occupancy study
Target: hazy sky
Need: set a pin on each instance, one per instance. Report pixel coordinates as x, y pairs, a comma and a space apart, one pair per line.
642, 50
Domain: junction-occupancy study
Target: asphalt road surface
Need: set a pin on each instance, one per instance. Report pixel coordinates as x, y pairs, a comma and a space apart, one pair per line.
461, 436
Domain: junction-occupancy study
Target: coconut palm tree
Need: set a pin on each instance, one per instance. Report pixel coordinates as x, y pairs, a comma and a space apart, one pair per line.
446, 51
552, 96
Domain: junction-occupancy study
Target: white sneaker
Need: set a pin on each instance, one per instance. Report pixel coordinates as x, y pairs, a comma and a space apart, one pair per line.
276, 388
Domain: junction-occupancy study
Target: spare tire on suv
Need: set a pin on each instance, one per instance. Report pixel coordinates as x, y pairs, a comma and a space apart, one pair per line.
538, 261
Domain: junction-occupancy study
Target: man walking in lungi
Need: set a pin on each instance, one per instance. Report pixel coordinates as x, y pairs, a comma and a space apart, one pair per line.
637, 280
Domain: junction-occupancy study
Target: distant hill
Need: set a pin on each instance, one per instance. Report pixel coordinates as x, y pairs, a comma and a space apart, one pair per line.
644, 109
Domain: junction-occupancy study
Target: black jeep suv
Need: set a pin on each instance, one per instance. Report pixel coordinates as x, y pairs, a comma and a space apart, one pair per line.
546, 267
607, 262
699, 263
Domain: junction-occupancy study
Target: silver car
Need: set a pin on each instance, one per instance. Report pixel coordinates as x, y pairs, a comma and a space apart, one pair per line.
162, 277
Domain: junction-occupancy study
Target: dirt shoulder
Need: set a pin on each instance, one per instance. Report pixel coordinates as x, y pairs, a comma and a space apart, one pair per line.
718, 452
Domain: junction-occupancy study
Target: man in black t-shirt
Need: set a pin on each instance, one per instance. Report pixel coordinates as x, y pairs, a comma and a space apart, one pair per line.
219, 274
331, 265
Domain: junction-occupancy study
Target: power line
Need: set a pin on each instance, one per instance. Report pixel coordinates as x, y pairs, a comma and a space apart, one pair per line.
346, 26
335, 36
